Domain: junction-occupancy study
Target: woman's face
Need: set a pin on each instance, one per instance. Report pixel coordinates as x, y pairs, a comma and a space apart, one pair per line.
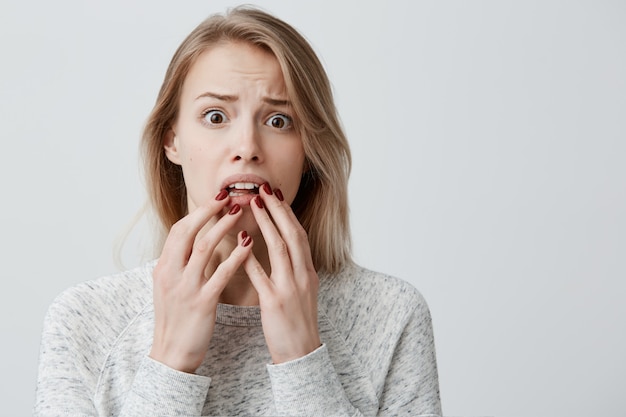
235, 128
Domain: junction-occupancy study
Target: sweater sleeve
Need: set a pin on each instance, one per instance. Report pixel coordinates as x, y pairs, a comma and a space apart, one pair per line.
71, 359
66, 377
412, 385
162, 391
310, 385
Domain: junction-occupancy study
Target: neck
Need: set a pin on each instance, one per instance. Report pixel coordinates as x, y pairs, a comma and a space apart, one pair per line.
239, 290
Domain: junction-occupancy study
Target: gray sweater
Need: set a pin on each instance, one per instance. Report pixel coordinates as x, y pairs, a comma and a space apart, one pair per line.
377, 357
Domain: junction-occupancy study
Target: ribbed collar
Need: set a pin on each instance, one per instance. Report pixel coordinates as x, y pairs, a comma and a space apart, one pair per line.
243, 316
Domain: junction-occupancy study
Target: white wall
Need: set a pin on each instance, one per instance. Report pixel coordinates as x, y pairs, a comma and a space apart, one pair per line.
488, 139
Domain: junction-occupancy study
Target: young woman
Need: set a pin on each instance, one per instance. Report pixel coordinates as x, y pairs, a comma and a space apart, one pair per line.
254, 306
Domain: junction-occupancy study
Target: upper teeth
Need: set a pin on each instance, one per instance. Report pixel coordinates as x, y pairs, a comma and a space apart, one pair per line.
244, 185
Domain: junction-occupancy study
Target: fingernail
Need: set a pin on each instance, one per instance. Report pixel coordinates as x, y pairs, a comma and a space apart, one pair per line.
244, 235
258, 201
267, 188
235, 209
222, 195
246, 242
279, 194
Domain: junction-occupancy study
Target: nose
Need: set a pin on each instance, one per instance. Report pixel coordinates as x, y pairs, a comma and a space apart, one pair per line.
246, 144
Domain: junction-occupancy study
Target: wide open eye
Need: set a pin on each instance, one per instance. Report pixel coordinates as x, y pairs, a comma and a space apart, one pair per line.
279, 121
215, 117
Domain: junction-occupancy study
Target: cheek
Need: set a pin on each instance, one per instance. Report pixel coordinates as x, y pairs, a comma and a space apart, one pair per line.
200, 172
291, 177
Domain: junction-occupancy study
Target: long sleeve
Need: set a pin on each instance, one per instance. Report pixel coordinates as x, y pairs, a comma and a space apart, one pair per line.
309, 386
402, 350
71, 368
412, 385
161, 391
65, 380
381, 329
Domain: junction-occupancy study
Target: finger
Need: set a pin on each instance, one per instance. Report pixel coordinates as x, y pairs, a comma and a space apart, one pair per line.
224, 272
289, 228
203, 247
258, 277
177, 247
276, 246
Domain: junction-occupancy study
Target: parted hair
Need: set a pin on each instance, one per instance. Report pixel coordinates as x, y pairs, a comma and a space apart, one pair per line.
321, 203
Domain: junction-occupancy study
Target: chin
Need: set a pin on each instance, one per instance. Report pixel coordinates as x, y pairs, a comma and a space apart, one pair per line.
247, 222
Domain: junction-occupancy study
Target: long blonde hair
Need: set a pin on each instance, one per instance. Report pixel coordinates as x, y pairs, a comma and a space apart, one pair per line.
321, 203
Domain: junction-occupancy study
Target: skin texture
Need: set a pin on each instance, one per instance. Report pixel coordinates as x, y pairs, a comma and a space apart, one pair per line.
235, 124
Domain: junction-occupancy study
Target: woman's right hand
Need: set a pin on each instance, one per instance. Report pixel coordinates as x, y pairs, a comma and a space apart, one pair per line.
185, 300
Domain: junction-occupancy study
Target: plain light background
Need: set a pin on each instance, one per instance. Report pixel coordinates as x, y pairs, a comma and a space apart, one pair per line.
489, 146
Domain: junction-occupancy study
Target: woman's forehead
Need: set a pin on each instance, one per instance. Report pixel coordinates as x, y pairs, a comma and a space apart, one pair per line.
232, 68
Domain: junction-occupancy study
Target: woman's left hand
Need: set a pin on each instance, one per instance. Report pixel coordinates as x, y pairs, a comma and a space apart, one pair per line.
288, 297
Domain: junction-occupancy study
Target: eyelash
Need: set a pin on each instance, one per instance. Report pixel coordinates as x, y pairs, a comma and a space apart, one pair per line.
207, 111
288, 121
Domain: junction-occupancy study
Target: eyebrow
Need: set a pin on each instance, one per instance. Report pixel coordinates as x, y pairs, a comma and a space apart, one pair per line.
231, 98
277, 102
221, 97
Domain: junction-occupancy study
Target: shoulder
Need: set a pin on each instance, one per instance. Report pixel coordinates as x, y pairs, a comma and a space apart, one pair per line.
371, 308
83, 325
372, 291
373, 315
103, 304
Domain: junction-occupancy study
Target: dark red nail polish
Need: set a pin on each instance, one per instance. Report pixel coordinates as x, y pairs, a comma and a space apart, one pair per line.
279, 194
246, 241
222, 195
244, 235
259, 202
267, 188
235, 209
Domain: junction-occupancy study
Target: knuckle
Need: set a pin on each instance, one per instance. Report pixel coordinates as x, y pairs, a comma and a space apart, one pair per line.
281, 248
277, 204
258, 269
179, 229
201, 246
299, 233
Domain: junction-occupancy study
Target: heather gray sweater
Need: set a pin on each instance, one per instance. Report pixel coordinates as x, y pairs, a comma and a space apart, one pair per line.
377, 357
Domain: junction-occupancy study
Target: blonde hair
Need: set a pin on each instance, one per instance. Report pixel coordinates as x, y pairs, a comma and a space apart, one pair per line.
321, 203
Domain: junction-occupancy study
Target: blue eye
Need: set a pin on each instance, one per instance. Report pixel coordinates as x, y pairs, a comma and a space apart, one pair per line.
279, 121
214, 117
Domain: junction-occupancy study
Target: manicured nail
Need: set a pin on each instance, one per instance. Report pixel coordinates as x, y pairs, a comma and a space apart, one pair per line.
244, 235
279, 194
258, 201
267, 188
246, 242
222, 195
235, 209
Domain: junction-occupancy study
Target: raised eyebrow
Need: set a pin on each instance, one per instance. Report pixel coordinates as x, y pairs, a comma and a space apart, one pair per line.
221, 97
277, 102
230, 98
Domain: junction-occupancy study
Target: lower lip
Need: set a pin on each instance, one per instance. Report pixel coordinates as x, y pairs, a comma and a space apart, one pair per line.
242, 200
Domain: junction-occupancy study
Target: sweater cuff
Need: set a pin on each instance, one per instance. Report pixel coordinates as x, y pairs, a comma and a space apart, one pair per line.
308, 386
159, 390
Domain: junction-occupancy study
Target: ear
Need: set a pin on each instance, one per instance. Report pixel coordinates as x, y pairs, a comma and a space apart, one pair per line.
170, 145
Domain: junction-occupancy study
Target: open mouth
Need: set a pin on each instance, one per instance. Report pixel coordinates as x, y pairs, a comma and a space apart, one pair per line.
242, 188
